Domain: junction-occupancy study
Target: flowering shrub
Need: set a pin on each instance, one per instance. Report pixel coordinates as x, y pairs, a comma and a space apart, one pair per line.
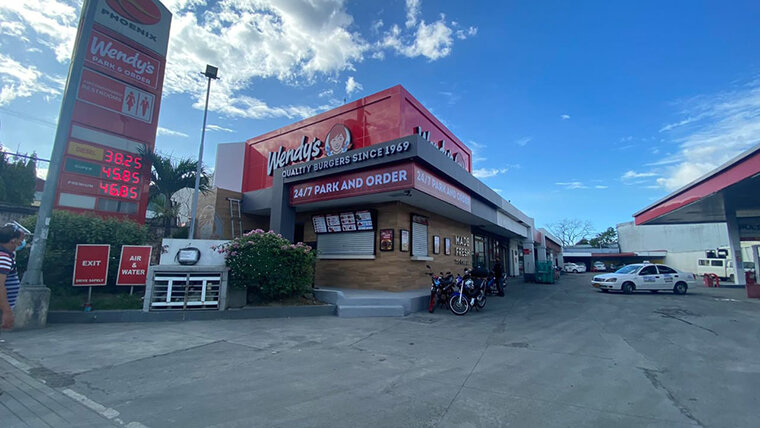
269, 263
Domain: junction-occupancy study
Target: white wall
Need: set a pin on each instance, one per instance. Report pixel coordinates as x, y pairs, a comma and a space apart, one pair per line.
685, 243
230, 160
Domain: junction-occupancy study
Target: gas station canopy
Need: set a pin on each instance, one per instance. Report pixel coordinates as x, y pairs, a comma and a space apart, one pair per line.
730, 194
733, 187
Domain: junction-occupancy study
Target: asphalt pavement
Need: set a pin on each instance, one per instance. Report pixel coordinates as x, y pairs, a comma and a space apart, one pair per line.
545, 355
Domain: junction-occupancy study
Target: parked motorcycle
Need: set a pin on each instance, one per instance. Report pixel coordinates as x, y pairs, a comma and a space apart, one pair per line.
470, 292
440, 289
495, 286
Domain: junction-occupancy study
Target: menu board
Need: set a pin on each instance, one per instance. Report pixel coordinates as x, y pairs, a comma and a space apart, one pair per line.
348, 221
333, 223
364, 220
320, 226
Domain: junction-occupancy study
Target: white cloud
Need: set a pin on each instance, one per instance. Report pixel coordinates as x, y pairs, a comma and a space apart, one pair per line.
572, 185
294, 41
489, 172
413, 9
377, 25
51, 22
630, 175
352, 86
564, 116
19, 81
599, 186
326, 93
171, 133
464, 34
715, 129
476, 149
433, 41
523, 141
218, 128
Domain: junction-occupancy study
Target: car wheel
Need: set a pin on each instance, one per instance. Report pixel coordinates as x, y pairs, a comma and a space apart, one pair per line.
680, 288
628, 288
575, 270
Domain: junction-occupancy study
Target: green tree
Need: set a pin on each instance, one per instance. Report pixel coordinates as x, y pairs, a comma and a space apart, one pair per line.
166, 179
17, 180
608, 237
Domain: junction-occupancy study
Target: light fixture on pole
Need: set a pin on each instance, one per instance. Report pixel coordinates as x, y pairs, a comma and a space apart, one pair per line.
210, 73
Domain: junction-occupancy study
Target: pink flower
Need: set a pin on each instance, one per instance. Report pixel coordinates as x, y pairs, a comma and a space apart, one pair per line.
233, 254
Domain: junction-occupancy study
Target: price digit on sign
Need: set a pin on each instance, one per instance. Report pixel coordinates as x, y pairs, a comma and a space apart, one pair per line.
109, 156
127, 160
104, 187
138, 163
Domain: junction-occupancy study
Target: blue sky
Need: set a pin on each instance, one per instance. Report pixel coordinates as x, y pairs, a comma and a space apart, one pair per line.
589, 109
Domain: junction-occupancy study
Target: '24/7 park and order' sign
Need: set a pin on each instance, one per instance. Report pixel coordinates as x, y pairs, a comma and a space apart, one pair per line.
119, 80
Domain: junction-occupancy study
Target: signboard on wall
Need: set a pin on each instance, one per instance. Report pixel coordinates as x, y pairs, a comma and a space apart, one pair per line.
117, 82
91, 265
749, 228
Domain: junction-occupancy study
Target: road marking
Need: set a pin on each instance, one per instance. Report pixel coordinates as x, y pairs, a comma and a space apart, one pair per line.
98, 408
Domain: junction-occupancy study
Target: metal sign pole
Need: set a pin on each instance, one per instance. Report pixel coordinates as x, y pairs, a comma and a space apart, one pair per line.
33, 295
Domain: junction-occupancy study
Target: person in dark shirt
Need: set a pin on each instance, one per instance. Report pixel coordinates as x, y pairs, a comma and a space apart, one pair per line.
12, 239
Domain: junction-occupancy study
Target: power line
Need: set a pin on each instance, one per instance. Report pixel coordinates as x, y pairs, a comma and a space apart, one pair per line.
19, 155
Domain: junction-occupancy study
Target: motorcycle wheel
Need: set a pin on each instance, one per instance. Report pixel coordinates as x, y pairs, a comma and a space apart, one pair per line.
459, 306
480, 302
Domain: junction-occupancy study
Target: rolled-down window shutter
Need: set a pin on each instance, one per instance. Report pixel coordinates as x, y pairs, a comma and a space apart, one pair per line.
419, 239
346, 244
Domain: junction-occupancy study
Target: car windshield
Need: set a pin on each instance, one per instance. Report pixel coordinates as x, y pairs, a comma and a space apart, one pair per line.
628, 269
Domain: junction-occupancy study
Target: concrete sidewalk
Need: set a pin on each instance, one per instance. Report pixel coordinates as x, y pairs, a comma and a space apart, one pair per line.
27, 401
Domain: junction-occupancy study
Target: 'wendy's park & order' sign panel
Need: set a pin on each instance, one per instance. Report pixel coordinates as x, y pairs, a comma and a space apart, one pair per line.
118, 81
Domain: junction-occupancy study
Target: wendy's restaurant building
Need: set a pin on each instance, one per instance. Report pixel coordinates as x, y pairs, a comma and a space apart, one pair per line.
381, 188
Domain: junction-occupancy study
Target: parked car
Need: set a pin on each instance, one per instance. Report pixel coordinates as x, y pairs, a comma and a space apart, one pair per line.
599, 267
575, 268
645, 276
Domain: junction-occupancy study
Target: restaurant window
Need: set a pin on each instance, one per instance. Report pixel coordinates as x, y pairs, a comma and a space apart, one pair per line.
419, 236
478, 251
345, 235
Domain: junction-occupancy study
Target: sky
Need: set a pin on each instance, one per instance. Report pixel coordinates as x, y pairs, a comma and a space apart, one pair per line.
585, 109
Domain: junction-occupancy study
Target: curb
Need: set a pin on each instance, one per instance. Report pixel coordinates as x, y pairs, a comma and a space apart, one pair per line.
136, 315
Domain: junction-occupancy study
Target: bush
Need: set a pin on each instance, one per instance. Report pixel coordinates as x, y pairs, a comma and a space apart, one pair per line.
69, 229
270, 264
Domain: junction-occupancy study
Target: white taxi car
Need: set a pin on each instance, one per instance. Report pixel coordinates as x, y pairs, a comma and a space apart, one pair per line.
645, 276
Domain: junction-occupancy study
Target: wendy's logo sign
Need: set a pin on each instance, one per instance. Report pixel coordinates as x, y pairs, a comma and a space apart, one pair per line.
141, 11
338, 140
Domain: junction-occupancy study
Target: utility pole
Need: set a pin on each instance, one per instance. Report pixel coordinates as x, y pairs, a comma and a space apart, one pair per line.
211, 73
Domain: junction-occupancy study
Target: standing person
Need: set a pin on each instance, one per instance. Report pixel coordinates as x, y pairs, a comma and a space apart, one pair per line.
11, 240
498, 271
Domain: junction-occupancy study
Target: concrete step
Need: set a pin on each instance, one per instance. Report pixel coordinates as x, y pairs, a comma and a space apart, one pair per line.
362, 311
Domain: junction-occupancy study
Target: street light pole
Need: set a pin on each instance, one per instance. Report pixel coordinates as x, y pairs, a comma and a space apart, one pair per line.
211, 73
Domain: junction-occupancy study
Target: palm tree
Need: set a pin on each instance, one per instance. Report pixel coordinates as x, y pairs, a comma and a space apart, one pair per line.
166, 179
